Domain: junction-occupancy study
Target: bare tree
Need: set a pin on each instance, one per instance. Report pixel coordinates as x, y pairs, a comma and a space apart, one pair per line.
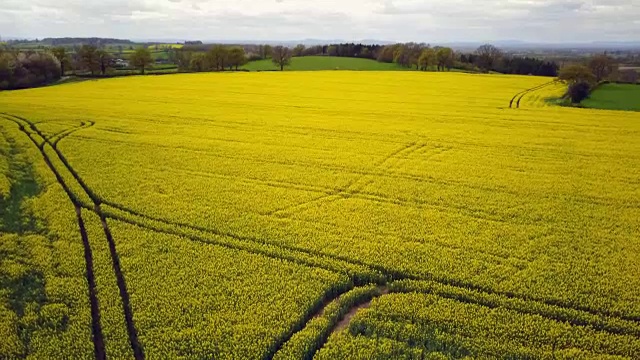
105, 60
488, 56
88, 58
601, 66
281, 56
629, 76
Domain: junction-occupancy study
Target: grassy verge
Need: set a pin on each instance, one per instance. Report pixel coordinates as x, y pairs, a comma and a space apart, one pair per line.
309, 63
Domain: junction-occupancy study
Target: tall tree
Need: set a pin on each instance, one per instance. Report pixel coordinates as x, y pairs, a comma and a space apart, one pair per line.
299, 50
218, 57
141, 59
105, 60
198, 61
387, 53
414, 50
266, 51
488, 56
61, 54
576, 73
601, 66
237, 57
88, 58
281, 56
427, 59
445, 58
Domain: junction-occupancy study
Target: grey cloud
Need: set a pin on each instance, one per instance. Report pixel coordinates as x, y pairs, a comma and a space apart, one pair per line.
402, 20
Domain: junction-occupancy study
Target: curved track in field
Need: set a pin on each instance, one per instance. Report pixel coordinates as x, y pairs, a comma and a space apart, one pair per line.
175, 228
98, 337
518, 96
96, 327
387, 274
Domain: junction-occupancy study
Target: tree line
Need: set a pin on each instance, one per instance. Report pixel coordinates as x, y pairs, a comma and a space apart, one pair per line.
24, 69
583, 77
220, 57
20, 70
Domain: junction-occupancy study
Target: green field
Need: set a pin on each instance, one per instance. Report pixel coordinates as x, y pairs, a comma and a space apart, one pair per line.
308, 63
615, 97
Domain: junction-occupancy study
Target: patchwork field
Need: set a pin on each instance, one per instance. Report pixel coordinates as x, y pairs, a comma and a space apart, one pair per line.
314, 63
615, 97
256, 215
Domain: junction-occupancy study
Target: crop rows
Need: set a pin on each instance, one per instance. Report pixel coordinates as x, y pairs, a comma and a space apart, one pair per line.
462, 329
130, 216
33, 133
147, 222
241, 231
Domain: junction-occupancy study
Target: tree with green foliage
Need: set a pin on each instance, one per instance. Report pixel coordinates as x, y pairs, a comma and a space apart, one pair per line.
218, 56
281, 57
141, 59
20, 70
61, 54
579, 91
427, 59
237, 57
445, 58
198, 62
414, 50
576, 73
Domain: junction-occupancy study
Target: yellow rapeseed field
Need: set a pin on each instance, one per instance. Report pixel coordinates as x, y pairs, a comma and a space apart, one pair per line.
223, 212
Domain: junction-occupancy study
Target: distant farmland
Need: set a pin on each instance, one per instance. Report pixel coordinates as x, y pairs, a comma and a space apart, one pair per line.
327, 215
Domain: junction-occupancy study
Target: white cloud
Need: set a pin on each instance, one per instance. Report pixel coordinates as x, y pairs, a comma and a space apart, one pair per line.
401, 20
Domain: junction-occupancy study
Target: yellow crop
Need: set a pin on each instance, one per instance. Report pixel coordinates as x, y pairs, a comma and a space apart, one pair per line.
238, 204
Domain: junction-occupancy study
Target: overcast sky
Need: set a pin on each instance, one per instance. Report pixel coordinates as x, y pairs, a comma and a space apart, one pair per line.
394, 20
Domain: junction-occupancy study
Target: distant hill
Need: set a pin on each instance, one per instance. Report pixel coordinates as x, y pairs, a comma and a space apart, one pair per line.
80, 40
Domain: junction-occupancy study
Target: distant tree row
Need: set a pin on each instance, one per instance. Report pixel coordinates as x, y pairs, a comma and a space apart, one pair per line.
94, 60
424, 57
217, 58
